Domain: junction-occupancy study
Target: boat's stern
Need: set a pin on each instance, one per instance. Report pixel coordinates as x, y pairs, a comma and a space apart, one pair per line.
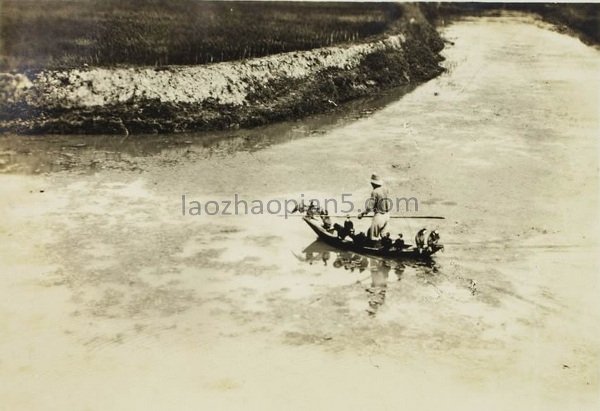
435, 248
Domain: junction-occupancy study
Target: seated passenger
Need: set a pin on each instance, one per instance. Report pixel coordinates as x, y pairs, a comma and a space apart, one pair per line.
386, 241
360, 238
326, 220
348, 224
346, 230
312, 209
399, 243
339, 230
420, 239
433, 239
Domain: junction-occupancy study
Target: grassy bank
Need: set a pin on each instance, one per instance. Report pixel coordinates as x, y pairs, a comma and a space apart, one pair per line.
58, 34
284, 96
109, 84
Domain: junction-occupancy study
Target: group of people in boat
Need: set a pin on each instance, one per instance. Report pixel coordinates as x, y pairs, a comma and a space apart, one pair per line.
379, 204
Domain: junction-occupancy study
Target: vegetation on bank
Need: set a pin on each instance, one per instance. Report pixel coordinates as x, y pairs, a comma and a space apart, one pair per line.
282, 98
58, 34
333, 76
399, 47
581, 18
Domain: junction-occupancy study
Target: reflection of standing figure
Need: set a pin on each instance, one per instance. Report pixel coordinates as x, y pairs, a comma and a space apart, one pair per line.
380, 270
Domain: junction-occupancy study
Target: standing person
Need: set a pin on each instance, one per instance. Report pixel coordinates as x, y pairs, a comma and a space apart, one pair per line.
379, 203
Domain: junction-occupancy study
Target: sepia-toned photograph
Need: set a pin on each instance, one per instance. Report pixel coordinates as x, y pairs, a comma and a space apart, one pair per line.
299, 205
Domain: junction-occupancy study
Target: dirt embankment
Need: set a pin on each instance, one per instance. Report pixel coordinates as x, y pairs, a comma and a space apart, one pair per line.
217, 96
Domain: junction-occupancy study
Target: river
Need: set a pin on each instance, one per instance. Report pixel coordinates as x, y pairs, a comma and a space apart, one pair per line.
112, 299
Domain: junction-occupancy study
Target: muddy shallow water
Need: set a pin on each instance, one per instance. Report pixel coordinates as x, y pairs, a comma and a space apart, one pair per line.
111, 299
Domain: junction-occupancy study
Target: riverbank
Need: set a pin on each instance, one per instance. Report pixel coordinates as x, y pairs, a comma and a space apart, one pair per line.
580, 20
245, 93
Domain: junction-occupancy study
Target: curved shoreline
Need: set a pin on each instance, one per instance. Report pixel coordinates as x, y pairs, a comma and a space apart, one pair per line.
225, 95
245, 93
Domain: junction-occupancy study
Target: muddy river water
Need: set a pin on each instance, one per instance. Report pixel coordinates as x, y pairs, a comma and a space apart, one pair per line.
112, 299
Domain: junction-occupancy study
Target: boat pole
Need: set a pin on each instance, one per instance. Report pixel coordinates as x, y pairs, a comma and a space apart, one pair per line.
370, 216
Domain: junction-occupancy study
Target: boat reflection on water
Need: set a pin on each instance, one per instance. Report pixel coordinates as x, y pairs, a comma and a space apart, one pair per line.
379, 268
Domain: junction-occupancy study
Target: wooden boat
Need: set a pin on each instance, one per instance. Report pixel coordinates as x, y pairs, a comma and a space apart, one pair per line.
409, 251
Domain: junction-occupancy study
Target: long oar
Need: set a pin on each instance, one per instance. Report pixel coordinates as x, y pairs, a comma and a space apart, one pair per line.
370, 216
433, 217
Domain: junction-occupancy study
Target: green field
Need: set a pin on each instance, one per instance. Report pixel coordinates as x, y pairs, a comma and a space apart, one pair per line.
44, 34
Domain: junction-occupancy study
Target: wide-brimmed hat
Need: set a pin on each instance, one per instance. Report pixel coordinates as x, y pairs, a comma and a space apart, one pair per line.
376, 180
